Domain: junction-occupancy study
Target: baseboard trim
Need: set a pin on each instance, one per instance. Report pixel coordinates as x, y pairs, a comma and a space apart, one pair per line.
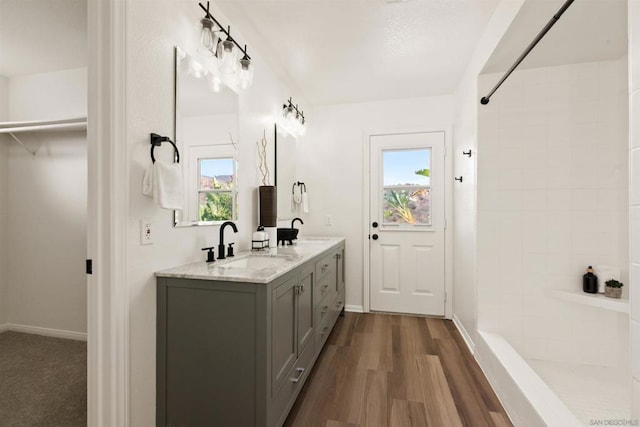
354, 308
47, 332
465, 335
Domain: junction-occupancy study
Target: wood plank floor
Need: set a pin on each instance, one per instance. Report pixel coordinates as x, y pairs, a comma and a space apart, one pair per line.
394, 370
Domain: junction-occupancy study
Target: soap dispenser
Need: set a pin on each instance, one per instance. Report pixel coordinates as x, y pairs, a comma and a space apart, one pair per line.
590, 282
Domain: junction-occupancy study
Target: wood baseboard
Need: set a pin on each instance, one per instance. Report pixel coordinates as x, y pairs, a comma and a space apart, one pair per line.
47, 332
464, 333
354, 308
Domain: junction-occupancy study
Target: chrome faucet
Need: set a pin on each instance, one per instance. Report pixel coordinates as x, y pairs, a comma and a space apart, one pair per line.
221, 244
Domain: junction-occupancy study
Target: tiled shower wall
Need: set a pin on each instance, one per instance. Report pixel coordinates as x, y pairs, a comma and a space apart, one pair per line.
552, 199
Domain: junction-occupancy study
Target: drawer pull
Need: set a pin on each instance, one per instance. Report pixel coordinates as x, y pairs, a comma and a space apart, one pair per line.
325, 266
325, 287
324, 331
324, 309
339, 304
300, 372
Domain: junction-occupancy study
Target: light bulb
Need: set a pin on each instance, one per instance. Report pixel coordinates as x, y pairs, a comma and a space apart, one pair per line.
208, 37
246, 72
228, 55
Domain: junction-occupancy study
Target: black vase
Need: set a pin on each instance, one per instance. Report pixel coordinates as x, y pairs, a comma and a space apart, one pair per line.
268, 206
590, 282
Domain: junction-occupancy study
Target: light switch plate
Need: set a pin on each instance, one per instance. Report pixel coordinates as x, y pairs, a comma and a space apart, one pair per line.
146, 232
328, 220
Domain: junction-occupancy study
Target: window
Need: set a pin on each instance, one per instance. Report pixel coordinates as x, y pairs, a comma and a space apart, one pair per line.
406, 186
216, 189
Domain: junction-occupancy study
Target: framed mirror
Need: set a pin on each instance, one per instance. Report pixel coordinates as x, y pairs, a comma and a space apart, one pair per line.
285, 172
206, 133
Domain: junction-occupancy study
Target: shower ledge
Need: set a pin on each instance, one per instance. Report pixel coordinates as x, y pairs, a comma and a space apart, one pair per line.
593, 300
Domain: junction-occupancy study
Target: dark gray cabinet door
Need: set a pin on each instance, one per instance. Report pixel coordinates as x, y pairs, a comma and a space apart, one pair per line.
283, 333
305, 312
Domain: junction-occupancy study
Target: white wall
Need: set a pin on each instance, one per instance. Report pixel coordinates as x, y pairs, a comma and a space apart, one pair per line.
59, 94
153, 29
4, 179
332, 158
47, 205
464, 195
634, 193
552, 199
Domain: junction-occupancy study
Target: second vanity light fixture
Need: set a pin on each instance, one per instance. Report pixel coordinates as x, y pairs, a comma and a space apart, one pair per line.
221, 56
293, 119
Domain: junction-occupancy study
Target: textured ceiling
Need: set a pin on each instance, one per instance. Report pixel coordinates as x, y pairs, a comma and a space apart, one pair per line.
38, 36
590, 30
340, 51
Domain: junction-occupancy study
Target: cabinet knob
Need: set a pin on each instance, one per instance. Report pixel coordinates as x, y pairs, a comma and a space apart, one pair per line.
324, 331
325, 287
339, 304
324, 309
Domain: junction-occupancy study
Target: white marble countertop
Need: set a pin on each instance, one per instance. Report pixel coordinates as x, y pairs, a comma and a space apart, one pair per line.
255, 266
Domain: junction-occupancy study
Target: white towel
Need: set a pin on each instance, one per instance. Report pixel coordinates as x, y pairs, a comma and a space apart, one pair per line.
163, 182
305, 202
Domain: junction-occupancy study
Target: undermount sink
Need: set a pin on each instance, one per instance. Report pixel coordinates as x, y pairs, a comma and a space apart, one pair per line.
256, 262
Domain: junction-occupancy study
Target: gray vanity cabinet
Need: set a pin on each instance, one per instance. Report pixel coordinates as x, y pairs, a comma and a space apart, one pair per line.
292, 320
237, 354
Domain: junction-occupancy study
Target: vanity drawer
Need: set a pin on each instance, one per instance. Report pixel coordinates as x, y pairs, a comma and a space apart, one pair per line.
284, 398
326, 268
324, 288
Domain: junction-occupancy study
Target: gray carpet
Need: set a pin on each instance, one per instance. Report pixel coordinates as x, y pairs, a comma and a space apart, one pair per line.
43, 381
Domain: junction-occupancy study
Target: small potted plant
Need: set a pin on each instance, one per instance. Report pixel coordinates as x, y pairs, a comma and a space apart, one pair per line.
613, 289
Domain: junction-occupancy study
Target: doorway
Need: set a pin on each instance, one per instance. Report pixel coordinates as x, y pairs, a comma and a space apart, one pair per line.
406, 223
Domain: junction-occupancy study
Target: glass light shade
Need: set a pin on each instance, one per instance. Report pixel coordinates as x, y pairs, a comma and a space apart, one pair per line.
246, 73
228, 55
208, 38
214, 82
196, 69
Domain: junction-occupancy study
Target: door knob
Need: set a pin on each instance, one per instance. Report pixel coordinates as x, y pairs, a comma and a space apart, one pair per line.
374, 225
374, 237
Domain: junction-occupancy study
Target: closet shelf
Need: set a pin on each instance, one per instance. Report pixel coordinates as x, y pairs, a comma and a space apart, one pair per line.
593, 300
74, 123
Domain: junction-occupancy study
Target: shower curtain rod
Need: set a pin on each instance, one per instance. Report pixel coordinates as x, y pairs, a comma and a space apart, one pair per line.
541, 34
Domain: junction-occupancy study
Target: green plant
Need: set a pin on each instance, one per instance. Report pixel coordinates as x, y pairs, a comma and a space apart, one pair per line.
613, 283
398, 203
423, 172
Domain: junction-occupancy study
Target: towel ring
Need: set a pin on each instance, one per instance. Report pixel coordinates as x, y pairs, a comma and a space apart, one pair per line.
157, 140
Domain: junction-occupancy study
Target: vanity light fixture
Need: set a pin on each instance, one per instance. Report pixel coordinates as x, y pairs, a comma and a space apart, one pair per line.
225, 53
293, 120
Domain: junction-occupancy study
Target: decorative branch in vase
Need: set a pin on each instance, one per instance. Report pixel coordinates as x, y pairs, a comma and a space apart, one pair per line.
263, 166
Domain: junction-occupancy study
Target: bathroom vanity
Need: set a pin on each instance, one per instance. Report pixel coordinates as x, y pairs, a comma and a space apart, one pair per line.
236, 339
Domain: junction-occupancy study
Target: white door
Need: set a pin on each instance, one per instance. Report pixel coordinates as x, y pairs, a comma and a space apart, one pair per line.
406, 223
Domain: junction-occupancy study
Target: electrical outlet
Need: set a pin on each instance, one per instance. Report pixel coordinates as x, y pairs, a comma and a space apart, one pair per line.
146, 232
328, 220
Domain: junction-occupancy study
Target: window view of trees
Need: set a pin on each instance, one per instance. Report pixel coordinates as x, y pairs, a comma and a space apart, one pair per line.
216, 193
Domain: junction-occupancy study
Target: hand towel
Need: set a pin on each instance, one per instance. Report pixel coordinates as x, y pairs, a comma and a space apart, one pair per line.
147, 182
163, 182
167, 185
305, 202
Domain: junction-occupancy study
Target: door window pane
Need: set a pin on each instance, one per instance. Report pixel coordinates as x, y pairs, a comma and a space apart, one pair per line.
406, 189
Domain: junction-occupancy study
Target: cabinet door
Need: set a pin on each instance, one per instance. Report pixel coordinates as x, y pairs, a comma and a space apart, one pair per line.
283, 333
340, 269
305, 311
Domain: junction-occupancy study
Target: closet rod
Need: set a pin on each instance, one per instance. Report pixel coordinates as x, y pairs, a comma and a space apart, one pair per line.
541, 34
56, 126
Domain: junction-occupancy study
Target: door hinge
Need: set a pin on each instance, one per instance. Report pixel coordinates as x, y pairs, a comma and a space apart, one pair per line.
89, 264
